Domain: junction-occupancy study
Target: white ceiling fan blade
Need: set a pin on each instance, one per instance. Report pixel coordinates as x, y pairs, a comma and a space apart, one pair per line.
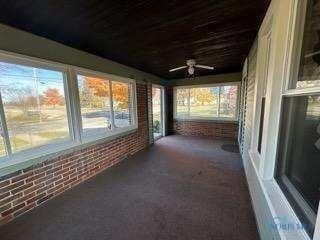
204, 66
178, 68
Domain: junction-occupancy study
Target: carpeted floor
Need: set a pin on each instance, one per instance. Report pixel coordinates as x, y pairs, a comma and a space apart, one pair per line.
181, 188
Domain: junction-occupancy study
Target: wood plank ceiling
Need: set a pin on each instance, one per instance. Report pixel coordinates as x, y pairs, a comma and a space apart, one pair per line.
150, 35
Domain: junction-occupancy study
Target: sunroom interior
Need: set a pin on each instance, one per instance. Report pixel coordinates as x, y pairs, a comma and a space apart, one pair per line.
160, 120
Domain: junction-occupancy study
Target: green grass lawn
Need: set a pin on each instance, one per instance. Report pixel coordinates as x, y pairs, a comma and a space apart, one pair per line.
16, 143
201, 111
53, 135
204, 111
24, 141
2, 149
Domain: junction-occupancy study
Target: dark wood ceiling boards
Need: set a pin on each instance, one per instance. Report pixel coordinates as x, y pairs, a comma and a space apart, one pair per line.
150, 35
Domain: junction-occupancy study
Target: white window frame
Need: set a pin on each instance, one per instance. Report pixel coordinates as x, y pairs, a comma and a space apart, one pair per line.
223, 119
283, 62
110, 78
31, 156
293, 65
59, 143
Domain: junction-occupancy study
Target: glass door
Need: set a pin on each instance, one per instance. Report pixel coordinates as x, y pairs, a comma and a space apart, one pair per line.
157, 112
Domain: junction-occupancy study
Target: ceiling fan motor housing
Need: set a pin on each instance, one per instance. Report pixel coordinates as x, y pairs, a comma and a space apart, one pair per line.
191, 62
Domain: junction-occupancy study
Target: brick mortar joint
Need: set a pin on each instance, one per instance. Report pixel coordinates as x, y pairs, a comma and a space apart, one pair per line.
41, 182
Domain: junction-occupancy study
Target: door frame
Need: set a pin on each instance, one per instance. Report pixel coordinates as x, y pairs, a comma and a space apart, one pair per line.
162, 111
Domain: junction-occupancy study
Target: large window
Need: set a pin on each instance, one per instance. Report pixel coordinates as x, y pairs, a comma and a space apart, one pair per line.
206, 102
299, 144
299, 155
34, 105
41, 110
106, 105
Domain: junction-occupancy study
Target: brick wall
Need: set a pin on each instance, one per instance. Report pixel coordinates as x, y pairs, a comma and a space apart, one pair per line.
218, 130
26, 189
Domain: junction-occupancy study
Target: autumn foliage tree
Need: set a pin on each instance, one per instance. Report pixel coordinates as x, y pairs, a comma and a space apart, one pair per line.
100, 88
203, 95
120, 94
52, 97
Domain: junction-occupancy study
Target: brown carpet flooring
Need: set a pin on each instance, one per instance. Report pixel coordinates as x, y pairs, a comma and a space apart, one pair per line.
181, 188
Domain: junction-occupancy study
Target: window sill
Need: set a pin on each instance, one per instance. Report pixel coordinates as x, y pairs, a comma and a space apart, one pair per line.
280, 207
217, 120
100, 138
42, 154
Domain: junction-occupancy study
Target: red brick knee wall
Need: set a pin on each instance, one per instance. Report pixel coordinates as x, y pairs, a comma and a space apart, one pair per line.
24, 190
218, 130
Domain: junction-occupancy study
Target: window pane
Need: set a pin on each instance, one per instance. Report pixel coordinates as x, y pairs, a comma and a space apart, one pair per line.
34, 105
204, 102
309, 71
299, 152
228, 101
121, 95
94, 94
182, 103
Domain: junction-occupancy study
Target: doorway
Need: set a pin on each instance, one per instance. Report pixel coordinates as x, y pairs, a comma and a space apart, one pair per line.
157, 111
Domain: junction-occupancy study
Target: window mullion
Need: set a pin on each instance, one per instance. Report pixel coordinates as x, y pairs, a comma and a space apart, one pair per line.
133, 103
131, 121
162, 111
4, 129
188, 102
111, 106
219, 99
73, 106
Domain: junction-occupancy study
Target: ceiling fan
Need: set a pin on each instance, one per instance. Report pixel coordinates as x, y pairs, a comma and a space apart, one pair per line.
191, 65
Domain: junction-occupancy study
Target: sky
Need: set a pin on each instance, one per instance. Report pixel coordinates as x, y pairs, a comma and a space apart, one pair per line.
13, 76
